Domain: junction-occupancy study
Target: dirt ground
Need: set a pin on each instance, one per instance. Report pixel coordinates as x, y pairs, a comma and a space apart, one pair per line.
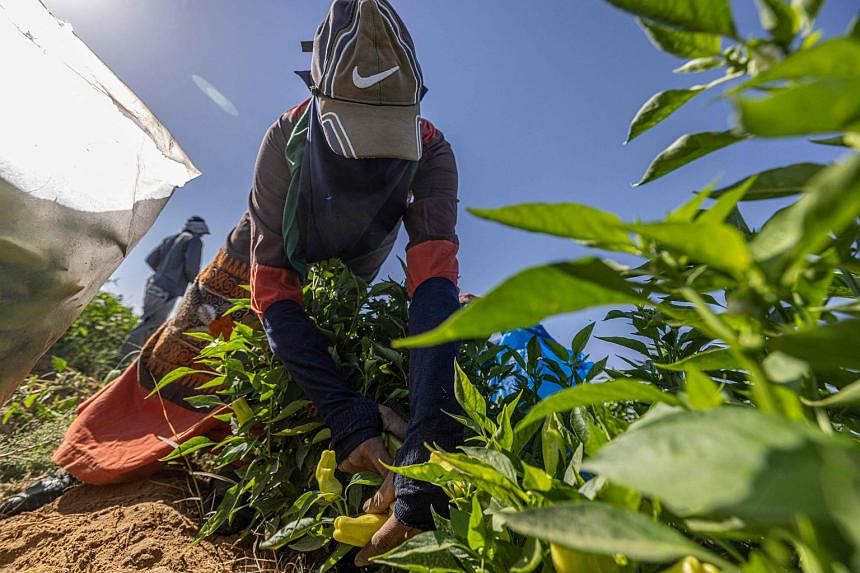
123, 529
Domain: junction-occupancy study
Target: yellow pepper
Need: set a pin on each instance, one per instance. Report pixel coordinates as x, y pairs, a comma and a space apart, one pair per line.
326, 481
690, 564
435, 458
571, 561
359, 530
242, 410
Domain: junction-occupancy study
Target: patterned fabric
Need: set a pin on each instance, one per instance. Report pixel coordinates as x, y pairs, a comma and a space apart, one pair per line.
201, 310
119, 433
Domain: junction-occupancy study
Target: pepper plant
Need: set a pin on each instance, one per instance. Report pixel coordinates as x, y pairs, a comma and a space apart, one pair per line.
731, 445
749, 449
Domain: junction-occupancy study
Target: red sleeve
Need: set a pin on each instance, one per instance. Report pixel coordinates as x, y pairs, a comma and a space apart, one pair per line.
272, 279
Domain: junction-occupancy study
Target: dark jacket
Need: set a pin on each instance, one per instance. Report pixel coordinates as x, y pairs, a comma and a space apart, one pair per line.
176, 262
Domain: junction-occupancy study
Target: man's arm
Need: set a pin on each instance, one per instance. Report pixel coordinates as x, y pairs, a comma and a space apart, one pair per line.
276, 297
193, 252
432, 273
153, 259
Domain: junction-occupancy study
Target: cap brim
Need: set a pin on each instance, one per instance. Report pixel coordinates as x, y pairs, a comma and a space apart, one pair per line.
361, 131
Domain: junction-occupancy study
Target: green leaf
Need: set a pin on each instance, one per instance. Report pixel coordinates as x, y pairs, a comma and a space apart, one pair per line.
204, 401
715, 244
713, 16
189, 447
715, 359
469, 398
726, 462
475, 535
535, 479
688, 148
834, 59
173, 376
779, 19
299, 430
596, 393
820, 106
632, 344
570, 220
581, 338
681, 43
58, 364
310, 543
702, 392
429, 472
564, 287
480, 474
726, 203
339, 553
827, 347
606, 530
428, 552
658, 108
494, 459
809, 8
552, 444
290, 532
849, 140
775, 183
700, 65
783, 369
530, 557
688, 211
854, 27
845, 398
830, 205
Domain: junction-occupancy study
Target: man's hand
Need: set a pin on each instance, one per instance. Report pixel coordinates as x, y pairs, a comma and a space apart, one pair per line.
371, 454
390, 535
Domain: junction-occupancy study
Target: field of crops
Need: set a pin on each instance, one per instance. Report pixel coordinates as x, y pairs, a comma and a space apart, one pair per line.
725, 438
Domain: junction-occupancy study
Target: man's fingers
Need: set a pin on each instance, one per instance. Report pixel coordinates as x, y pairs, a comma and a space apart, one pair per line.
392, 534
392, 423
383, 498
366, 457
382, 458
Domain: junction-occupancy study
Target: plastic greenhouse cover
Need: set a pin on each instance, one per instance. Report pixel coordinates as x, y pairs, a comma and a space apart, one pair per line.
85, 168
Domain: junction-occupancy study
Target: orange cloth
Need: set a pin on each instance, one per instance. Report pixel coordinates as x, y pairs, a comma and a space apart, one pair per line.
117, 434
431, 259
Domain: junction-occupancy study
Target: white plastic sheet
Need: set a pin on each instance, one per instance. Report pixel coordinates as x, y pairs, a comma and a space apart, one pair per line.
85, 168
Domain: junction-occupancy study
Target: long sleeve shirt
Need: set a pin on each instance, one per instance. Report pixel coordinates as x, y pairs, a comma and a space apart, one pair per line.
176, 262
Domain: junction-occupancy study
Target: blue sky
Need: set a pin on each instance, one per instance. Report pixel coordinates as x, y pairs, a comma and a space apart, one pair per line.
535, 98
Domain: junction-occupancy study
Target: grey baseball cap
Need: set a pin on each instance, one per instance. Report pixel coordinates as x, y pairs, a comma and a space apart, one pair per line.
367, 82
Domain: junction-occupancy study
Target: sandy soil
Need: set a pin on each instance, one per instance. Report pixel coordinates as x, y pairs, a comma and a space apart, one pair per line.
122, 528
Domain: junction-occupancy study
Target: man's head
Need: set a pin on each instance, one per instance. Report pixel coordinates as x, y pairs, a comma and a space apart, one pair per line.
368, 82
196, 225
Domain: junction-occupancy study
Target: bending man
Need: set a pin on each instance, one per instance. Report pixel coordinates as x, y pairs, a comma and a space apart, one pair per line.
335, 177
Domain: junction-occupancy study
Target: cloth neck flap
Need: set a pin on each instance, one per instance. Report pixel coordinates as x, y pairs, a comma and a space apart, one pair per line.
338, 207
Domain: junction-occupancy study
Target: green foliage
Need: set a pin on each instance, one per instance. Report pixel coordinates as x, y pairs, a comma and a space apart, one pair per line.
92, 342
731, 432
731, 435
34, 419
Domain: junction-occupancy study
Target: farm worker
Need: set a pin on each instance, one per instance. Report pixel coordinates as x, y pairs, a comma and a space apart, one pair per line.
335, 177
176, 261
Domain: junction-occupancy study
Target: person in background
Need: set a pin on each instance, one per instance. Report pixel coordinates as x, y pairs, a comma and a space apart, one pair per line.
176, 263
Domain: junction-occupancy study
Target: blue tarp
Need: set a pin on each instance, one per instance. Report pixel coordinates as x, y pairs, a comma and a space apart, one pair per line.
518, 341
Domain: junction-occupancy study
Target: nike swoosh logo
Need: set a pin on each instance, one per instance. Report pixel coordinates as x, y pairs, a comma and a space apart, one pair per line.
363, 83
